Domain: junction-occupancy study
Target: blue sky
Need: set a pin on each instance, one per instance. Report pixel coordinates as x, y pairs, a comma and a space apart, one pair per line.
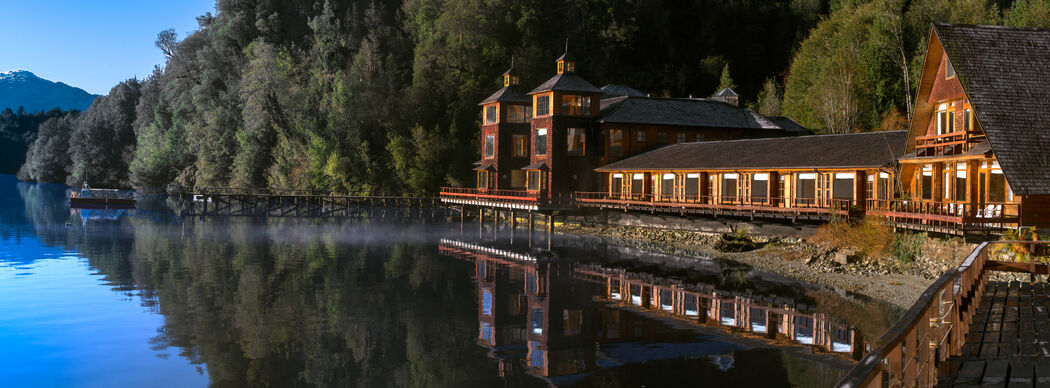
91, 44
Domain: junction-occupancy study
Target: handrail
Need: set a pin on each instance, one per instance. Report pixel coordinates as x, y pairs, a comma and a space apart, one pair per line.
961, 215
937, 323
294, 192
773, 204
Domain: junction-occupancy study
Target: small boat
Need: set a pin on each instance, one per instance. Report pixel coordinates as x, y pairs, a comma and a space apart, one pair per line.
87, 197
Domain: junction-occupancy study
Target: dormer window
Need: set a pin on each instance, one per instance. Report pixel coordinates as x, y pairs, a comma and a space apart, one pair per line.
566, 67
509, 80
949, 70
491, 114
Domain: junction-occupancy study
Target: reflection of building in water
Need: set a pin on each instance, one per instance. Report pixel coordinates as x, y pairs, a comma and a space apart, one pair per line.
703, 304
542, 316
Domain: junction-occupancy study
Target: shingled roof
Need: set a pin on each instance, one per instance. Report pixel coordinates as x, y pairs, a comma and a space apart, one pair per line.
689, 112
566, 82
857, 150
1005, 73
507, 94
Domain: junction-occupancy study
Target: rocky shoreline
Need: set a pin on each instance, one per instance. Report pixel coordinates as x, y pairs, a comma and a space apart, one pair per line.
896, 283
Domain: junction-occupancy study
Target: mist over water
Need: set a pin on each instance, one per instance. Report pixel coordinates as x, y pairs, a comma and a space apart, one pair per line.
143, 298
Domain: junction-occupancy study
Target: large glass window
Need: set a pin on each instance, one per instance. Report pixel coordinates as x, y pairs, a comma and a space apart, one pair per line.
806, 187
638, 184
490, 145
577, 142
667, 185
517, 113
616, 184
520, 147
960, 182
759, 186
996, 185
491, 115
884, 185
926, 182
615, 143
843, 186
729, 185
543, 105
541, 141
692, 185
574, 105
946, 118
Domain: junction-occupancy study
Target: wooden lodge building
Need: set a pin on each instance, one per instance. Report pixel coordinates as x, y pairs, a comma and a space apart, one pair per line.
976, 156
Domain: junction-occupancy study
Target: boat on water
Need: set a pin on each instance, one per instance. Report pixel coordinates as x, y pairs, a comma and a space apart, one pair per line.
87, 197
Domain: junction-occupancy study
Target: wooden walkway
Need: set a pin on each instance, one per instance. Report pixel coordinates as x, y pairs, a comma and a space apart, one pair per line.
1009, 340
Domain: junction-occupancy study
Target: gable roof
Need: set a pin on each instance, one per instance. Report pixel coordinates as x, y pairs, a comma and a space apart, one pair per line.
788, 124
725, 92
566, 82
507, 94
686, 112
1005, 73
856, 150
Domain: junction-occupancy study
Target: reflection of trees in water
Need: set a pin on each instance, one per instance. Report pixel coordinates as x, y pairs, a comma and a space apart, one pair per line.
269, 305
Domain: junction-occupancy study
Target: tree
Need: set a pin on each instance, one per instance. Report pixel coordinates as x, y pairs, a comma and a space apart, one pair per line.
769, 99
725, 80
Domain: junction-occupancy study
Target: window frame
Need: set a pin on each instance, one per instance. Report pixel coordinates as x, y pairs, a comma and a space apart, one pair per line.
490, 146
542, 105
541, 141
491, 114
580, 137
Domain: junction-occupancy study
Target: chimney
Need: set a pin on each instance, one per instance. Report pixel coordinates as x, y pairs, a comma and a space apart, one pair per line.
727, 96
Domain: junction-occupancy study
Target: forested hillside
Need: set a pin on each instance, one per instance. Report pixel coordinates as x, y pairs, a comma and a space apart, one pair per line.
381, 96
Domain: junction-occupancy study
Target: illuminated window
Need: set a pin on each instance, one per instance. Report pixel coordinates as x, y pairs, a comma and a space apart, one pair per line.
574, 105
543, 105
520, 147
517, 179
491, 115
638, 184
759, 186
729, 185
517, 114
576, 142
490, 145
541, 141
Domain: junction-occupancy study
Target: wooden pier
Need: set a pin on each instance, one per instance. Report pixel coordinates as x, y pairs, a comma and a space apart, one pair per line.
303, 203
967, 331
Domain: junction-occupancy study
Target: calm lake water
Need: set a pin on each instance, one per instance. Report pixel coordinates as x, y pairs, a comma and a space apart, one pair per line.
141, 298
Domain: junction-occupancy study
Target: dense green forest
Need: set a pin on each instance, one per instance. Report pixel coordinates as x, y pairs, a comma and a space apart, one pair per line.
18, 129
363, 96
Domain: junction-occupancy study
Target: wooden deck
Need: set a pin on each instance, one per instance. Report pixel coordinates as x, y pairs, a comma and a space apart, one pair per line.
966, 331
1009, 340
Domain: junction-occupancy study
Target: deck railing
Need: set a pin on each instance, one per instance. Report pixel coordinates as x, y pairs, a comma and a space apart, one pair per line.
947, 144
675, 203
493, 195
948, 215
914, 352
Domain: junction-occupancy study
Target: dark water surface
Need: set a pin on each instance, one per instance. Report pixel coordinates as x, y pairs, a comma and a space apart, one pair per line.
142, 298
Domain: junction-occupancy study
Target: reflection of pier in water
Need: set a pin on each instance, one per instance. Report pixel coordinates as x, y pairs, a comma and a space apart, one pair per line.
544, 312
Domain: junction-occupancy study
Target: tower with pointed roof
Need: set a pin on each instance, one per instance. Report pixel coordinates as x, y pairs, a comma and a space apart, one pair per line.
504, 136
565, 138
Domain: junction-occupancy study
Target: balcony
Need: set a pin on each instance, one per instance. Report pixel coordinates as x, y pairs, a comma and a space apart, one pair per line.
946, 217
949, 144
750, 207
509, 199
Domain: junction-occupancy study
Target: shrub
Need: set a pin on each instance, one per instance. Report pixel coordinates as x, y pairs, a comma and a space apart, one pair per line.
908, 246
